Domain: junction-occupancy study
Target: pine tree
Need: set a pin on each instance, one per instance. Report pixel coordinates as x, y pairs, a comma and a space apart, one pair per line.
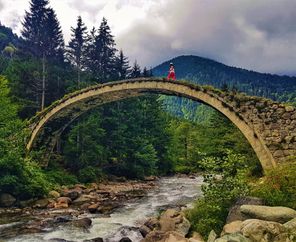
91, 61
43, 37
77, 47
105, 51
122, 66
136, 70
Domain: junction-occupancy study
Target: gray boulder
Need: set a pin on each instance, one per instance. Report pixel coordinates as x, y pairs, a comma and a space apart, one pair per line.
212, 236
235, 237
6, 200
275, 214
260, 230
234, 212
291, 226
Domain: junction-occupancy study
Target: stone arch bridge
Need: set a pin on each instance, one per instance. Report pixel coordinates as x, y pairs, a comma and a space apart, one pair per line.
269, 127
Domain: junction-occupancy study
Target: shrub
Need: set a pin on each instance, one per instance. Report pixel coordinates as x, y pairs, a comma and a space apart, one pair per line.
61, 177
90, 174
278, 187
225, 181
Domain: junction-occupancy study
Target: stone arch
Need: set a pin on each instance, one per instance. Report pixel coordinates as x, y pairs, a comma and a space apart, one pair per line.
257, 118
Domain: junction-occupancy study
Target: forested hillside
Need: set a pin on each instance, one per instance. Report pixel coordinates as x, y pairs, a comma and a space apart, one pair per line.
132, 138
208, 72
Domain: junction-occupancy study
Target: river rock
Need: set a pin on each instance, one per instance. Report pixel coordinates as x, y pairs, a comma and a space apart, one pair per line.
99, 239
82, 199
59, 240
144, 230
63, 219
84, 223
125, 239
260, 230
54, 194
7, 200
291, 226
72, 194
62, 202
212, 236
150, 178
175, 237
232, 227
160, 236
152, 223
183, 227
234, 212
169, 219
93, 208
196, 237
41, 203
235, 237
276, 214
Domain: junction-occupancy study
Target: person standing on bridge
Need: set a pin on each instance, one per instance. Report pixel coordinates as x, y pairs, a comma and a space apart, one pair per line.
171, 75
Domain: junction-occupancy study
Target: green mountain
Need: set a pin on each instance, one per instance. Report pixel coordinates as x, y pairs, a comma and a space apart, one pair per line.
7, 37
208, 72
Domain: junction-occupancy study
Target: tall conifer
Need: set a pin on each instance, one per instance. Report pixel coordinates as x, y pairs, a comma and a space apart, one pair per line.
43, 38
76, 49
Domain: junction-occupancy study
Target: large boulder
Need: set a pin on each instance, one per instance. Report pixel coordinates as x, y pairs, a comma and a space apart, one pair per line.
6, 200
171, 220
212, 236
233, 227
160, 236
261, 231
235, 237
234, 212
291, 226
275, 214
183, 227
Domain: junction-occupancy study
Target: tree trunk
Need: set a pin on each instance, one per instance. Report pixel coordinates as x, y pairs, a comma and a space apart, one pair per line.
43, 82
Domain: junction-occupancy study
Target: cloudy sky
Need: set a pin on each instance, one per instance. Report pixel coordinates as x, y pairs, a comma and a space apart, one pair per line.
253, 34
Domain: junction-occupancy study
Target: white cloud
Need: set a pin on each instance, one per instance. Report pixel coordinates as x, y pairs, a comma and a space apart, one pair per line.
254, 34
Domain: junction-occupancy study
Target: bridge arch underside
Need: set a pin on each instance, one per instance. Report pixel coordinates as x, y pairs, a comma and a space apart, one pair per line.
52, 123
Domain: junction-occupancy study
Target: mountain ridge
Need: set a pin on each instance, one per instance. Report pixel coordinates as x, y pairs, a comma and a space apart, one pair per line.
210, 72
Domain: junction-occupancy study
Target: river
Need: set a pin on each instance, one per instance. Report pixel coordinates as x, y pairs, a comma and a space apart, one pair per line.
170, 192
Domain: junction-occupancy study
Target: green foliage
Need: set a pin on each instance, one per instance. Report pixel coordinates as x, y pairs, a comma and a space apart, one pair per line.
127, 138
83, 148
192, 141
278, 186
225, 181
90, 174
18, 176
59, 177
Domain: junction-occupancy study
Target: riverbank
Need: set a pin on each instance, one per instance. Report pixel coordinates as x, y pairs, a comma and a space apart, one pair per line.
115, 210
248, 221
68, 204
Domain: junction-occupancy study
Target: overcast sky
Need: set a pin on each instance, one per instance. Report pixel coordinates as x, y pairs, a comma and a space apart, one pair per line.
253, 34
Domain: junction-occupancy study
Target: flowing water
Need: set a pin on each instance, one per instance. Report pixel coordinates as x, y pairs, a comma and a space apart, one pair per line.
171, 192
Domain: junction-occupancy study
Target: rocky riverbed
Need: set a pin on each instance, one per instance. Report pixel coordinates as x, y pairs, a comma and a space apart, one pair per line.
110, 210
